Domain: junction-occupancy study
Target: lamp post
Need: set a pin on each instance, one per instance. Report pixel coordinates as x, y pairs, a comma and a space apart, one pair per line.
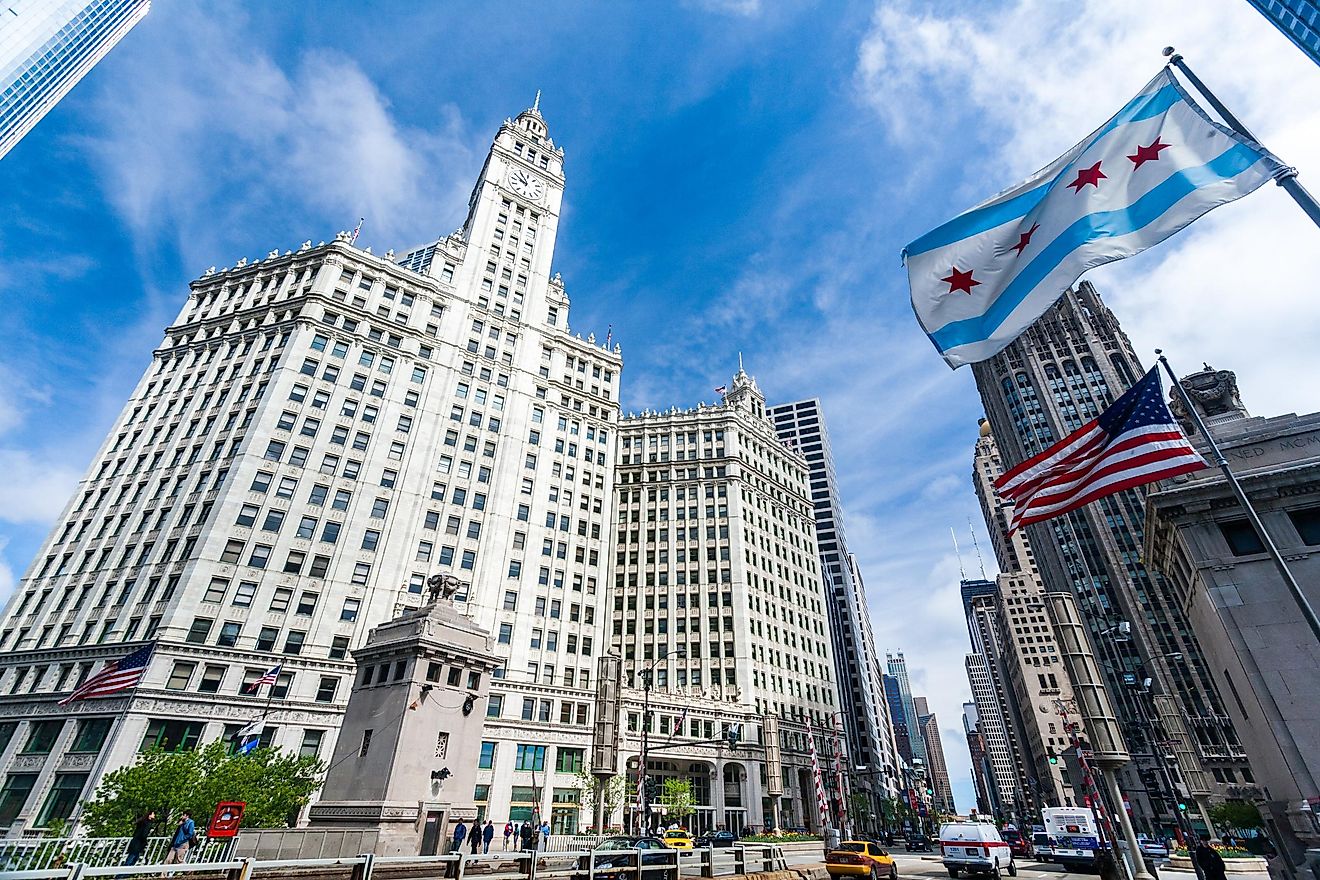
678, 654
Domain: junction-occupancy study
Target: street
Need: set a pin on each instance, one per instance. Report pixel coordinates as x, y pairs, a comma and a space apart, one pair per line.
927, 865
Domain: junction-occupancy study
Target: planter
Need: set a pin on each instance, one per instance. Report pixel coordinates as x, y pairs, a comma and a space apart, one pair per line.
1250, 868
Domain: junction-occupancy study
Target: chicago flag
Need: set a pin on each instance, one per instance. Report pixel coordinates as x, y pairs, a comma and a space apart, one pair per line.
982, 278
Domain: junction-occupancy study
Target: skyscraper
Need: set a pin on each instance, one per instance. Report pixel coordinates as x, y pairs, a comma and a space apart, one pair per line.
46, 47
1037, 682
718, 595
801, 425
318, 433
982, 780
1064, 370
1298, 20
937, 770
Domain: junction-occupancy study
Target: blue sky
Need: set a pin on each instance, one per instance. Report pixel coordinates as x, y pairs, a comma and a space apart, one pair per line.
741, 177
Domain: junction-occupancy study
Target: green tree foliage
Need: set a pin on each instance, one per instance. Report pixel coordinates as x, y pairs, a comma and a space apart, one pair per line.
676, 795
859, 807
273, 783
1236, 814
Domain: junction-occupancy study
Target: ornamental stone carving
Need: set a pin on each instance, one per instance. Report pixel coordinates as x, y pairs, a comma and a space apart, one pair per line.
1213, 392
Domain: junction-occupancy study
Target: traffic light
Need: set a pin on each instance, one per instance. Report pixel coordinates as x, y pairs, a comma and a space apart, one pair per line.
1054, 759
930, 792
1182, 806
652, 788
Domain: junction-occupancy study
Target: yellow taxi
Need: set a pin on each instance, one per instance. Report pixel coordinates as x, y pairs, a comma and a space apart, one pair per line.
677, 838
861, 858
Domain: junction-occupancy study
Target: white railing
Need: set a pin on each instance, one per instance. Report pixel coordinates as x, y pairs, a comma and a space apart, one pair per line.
39, 854
633, 864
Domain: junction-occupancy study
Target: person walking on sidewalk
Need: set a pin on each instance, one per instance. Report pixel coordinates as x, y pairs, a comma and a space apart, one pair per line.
137, 845
508, 832
487, 835
1210, 862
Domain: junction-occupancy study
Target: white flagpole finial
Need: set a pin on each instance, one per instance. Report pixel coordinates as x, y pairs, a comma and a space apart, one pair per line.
536, 105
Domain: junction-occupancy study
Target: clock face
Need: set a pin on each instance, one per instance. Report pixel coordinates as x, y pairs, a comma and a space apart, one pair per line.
525, 184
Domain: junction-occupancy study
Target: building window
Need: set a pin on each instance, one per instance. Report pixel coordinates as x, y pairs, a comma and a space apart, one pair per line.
1307, 523
494, 705
339, 648
487, 758
350, 609
325, 691
14, 795
568, 760
91, 735
180, 675
212, 678
1241, 537
171, 735
311, 743
42, 736
530, 757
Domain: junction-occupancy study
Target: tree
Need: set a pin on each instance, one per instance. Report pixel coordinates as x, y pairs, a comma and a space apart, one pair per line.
1236, 815
676, 796
273, 783
859, 806
611, 794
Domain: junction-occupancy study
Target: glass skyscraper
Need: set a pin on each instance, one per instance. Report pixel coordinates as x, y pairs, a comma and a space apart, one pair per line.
46, 47
1298, 19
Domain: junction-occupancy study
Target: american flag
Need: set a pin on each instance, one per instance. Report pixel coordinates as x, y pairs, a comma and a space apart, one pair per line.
821, 800
115, 676
723, 389
1134, 442
269, 678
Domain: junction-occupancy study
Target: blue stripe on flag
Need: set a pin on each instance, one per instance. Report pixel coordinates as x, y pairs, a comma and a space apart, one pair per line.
1102, 224
975, 222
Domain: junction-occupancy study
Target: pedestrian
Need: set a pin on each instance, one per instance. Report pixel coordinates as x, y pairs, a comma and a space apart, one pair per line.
184, 837
508, 832
527, 837
1210, 862
141, 831
487, 835
545, 835
474, 837
460, 832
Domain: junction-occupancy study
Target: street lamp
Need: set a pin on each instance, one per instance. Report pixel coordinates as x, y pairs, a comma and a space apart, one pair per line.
677, 654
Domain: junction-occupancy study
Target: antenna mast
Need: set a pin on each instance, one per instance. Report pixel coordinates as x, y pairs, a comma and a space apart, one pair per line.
962, 572
979, 560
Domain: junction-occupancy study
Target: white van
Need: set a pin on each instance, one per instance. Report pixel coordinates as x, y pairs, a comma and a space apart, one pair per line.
975, 848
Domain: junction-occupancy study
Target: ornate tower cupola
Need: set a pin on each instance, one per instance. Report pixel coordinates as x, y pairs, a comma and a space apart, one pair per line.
744, 393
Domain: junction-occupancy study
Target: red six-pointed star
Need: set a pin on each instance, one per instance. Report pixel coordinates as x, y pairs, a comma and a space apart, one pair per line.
1147, 154
1092, 175
1024, 239
960, 280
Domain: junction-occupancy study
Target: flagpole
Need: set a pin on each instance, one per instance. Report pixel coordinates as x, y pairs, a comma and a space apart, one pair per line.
1308, 613
1288, 178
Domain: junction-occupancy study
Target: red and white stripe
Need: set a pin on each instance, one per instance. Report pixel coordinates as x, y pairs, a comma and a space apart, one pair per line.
821, 800
1088, 465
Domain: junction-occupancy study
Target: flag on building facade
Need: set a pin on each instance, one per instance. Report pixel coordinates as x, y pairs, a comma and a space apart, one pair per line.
982, 278
822, 802
1132, 443
115, 676
838, 775
270, 677
249, 736
723, 389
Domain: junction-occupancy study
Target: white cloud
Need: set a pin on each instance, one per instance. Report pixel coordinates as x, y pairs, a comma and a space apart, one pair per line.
197, 122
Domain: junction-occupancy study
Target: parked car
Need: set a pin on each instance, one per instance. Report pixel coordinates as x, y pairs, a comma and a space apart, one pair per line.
677, 838
616, 859
1017, 842
975, 848
1152, 848
717, 838
917, 843
861, 858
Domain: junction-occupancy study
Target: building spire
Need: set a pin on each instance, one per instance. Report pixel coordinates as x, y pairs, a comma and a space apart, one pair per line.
536, 104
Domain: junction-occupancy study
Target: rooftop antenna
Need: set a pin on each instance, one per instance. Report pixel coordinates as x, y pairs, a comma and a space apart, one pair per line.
979, 560
962, 572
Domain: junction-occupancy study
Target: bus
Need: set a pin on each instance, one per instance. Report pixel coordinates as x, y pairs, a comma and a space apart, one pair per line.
1076, 839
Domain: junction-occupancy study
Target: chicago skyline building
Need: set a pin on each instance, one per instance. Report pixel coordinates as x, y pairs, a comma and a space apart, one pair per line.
870, 738
319, 432
938, 769
47, 47
719, 612
1063, 371
1038, 689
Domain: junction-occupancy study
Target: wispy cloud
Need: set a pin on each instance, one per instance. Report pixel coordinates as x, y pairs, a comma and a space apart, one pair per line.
202, 142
